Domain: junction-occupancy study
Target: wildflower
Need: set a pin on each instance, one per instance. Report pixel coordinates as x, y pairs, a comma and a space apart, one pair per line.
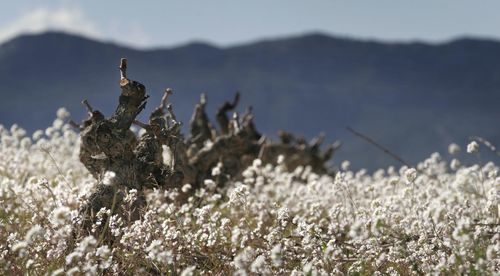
455, 164
345, 165
283, 216
29, 263
20, 245
49, 132
186, 188
60, 216
108, 178
210, 184
57, 124
188, 271
274, 222
73, 256
276, 255
87, 243
281, 159
37, 135
473, 147
257, 163
238, 195
104, 253
73, 271
25, 143
62, 113
58, 272
411, 175
156, 252
33, 233
131, 196
453, 149
258, 264
217, 169
394, 180
492, 174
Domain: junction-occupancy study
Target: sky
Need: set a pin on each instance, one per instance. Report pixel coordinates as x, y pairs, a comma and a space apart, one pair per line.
167, 23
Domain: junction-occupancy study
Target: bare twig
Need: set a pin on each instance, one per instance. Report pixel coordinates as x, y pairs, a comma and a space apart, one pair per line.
74, 124
141, 124
164, 99
123, 68
203, 99
88, 106
382, 148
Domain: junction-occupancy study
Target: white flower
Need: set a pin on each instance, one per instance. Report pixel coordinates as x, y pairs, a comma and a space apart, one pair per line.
131, 196
308, 269
455, 164
273, 222
217, 169
394, 180
276, 255
472, 147
411, 175
73, 256
20, 245
108, 178
57, 124
73, 271
257, 163
57, 272
210, 184
239, 195
188, 271
186, 188
87, 243
258, 264
62, 113
37, 135
156, 252
33, 233
104, 254
345, 165
283, 216
281, 159
60, 216
492, 174
453, 149
103, 251
49, 132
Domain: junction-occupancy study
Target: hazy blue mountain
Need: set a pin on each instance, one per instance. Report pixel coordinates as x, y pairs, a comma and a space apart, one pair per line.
415, 98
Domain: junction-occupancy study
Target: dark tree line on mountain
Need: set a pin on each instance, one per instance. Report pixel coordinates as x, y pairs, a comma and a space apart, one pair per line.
109, 145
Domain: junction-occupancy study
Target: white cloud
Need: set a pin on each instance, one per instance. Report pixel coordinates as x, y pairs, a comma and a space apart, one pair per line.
131, 33
38, 20
136, 36
73, 20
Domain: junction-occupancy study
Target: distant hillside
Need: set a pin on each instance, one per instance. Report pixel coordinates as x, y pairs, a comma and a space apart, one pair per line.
414, 98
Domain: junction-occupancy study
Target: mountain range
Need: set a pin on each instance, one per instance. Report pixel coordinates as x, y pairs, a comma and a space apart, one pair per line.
414, 98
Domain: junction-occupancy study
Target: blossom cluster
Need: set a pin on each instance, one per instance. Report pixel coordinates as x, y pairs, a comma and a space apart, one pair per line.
436, 218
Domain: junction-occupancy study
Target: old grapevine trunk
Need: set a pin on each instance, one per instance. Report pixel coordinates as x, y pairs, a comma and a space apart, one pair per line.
121, 161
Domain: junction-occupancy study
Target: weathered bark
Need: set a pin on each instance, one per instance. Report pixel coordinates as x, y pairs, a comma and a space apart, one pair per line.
108, 145
222, 117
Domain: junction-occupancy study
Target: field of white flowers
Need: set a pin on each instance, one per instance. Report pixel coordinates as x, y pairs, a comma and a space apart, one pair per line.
437, 218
